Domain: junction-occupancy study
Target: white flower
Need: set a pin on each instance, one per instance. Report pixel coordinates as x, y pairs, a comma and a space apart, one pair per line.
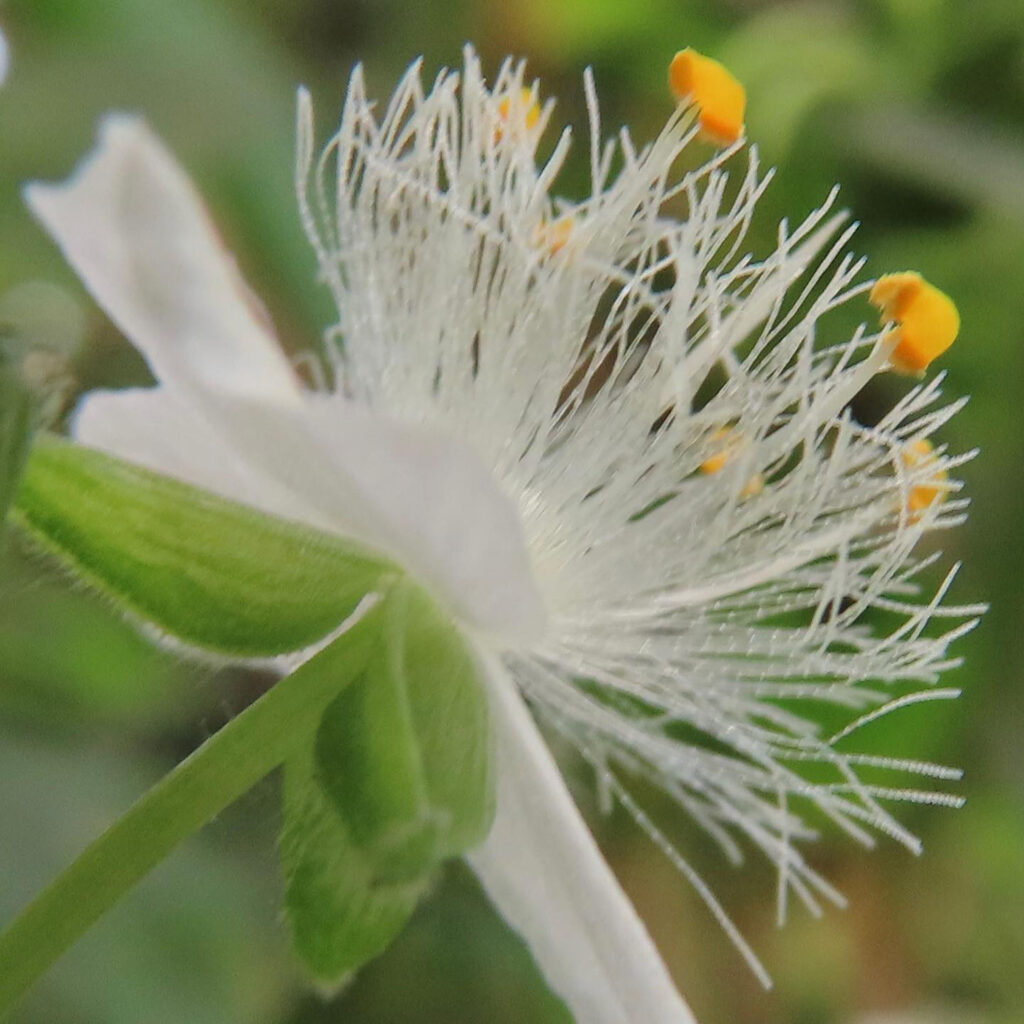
609, 441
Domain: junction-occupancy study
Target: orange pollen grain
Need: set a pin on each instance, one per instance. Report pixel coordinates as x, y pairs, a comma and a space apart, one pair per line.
753, 487
919, 455
926, 319
720, 99
729, 441
554, 235
520, 111
726, 441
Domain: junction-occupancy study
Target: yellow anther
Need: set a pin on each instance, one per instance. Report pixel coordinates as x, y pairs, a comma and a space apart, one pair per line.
927, 321
918, 455
518, 113
553, 235
720, 99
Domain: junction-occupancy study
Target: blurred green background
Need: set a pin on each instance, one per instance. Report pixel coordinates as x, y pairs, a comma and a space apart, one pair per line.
916, 107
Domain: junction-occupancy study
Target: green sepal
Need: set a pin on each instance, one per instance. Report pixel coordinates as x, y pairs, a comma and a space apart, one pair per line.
340, 914
16, 408
405, 753
212, 573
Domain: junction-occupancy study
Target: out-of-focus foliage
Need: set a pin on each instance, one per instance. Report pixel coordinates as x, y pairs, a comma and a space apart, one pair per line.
916, 107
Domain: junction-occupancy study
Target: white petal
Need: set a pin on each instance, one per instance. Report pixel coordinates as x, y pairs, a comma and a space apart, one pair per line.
133, 228
545, 874
156, 429
424, 498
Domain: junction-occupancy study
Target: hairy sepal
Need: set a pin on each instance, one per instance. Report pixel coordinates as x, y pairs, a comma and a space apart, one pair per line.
341, 915
406, 754
211, 573
399, 778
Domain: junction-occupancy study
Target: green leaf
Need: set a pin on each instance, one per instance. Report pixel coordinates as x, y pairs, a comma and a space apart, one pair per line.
340, 914
15, 434
212, 573
405, 752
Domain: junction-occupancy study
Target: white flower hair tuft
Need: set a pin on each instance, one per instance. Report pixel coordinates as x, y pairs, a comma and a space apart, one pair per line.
688, 591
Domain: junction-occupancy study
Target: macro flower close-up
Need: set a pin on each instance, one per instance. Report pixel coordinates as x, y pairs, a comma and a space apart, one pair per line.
611, 449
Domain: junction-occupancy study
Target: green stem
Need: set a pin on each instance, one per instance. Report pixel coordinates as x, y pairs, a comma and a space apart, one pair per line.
190, 796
